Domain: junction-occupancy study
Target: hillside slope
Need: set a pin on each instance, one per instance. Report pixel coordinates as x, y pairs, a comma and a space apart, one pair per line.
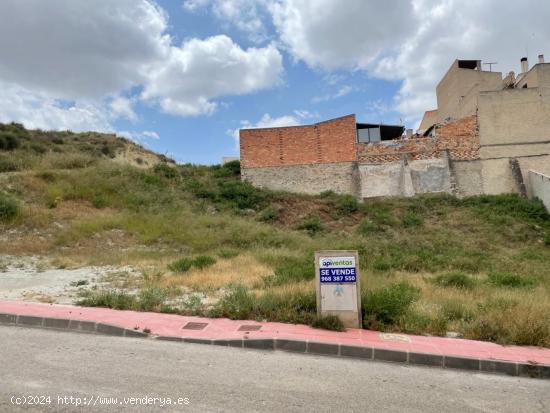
203, 242
22, 149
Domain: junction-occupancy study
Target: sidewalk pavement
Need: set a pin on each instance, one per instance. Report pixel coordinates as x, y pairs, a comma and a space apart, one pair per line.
364, 344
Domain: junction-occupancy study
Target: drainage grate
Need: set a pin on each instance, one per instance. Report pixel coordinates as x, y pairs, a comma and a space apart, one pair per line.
194, 326
249, 328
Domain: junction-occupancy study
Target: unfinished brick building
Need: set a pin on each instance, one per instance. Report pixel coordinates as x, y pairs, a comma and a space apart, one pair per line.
487, 133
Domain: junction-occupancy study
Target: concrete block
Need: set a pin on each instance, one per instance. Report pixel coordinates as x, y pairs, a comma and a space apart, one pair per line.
109, 329
87, 326
291, 345
322, 348
260, 344
426, 359
399, 356
56, 323
462, 363
231, 343
503, 367
197, 340
356, 352
537, 371
170, 338
135, 333
8, 318
30, 320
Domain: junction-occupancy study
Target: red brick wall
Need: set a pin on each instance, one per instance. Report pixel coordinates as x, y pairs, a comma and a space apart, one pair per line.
325, 142
460, 138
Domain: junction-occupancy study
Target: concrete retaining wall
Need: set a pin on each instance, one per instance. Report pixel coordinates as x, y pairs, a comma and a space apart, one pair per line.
339, 177
402, 178
467, 178
540, 187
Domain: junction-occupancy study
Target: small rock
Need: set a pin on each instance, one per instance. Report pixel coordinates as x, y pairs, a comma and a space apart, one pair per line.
453, 334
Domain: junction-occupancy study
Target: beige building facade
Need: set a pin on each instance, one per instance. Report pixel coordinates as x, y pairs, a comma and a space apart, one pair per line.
513, 122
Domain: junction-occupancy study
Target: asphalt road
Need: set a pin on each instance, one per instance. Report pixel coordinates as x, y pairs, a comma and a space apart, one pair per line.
61, 365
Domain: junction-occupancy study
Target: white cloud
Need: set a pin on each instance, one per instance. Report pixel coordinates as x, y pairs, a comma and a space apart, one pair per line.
139, 137
412, 41
332, 34
122, 107
202, 70
306, 114
490, 30
343, 91
79, 61
18, 104
267, 121
80, 49
193, 5
245, 15
150, 134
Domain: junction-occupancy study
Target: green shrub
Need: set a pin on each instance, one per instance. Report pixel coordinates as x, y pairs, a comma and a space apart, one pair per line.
203, 261
240, 194
292, 269
454, 310
456, 280
328, 194
290, 307
111, 299
509, 204
163, 169
269, 214
367, 227
99, 201
228, 253
151, 299
312, 224
9, 208
9, 165
503, 279
381, 216
181, 265
234, 167
547, 239
328, 322
347, 204
386, 305
200, 189
410, 219
38, 148
8, 141
237, 304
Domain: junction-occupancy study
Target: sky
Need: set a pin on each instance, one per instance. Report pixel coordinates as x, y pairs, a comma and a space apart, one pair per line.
182, 76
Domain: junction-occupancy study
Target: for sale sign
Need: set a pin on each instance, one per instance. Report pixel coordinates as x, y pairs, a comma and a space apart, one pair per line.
337, 270
338, 286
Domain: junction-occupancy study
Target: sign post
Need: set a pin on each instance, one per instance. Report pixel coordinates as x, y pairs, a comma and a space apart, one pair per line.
338, 293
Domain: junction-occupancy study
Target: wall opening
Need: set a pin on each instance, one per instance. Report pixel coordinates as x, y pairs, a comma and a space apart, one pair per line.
372, 133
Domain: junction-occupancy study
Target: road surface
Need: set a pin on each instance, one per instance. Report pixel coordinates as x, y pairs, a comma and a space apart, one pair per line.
139, 375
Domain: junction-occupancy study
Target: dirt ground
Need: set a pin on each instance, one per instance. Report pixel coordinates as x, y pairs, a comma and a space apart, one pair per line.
35, 279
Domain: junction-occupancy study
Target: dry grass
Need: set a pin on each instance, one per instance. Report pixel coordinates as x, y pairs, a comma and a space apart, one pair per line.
243, 269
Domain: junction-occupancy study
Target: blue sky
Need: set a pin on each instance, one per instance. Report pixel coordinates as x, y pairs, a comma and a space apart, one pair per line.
182, 76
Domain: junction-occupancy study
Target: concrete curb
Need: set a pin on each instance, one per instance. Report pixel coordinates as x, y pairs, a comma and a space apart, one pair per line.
68, 325
511, 368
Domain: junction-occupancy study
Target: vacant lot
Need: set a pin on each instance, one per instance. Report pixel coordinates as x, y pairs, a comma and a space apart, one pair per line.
205, 243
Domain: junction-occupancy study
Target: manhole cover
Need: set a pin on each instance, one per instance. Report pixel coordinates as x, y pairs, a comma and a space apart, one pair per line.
194, 326
249, 328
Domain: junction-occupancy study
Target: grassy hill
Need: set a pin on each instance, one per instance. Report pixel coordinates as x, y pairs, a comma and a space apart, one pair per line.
206, 243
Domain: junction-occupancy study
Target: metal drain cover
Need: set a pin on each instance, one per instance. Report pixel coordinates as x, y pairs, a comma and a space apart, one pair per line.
246, 327
194, 326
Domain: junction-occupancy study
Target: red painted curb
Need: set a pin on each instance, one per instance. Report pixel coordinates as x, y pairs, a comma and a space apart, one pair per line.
208, 329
